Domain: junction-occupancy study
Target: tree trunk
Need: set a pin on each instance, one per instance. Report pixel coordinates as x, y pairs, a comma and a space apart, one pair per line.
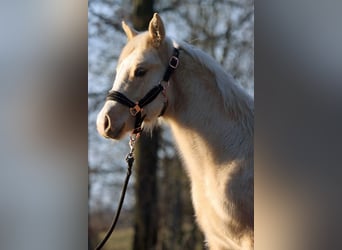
142, 14
146, 208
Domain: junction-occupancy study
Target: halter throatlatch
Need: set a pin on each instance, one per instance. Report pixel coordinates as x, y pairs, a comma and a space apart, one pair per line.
136, 108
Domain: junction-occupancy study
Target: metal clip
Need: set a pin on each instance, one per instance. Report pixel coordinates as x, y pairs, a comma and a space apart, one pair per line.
130, 160
132, 140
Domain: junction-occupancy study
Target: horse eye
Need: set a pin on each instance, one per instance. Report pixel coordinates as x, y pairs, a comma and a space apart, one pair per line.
139, 72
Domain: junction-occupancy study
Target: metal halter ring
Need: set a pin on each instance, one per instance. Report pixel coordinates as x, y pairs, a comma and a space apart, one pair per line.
174, 61
135, 110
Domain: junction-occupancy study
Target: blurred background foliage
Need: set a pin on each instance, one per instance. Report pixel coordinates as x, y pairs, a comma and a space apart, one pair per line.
157, 213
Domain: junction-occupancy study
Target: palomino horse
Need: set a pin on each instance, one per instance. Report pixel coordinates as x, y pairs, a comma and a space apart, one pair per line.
211, 119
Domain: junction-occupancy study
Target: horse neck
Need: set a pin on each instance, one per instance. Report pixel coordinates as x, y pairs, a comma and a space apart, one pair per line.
201, 116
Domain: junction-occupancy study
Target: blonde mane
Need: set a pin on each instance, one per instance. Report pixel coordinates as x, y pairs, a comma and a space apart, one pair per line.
215, 138
237, 102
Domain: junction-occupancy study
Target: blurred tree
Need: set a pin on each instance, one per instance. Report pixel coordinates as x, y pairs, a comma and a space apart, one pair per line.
146, 198
142, 13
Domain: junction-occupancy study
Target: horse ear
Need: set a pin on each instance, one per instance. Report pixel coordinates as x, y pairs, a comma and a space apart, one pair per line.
156, 30
130, 32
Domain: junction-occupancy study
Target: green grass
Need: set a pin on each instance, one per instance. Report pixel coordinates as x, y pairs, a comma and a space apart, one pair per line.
121, 239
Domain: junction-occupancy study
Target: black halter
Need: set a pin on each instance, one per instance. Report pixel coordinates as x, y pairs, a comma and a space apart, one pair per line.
135, 108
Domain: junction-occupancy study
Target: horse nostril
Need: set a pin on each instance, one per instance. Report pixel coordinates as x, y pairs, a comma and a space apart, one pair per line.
106, 124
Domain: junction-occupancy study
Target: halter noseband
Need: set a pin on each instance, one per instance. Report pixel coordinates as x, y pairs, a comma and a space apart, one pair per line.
135, 108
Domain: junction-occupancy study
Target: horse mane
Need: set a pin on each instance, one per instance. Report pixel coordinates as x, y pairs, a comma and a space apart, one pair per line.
237, 102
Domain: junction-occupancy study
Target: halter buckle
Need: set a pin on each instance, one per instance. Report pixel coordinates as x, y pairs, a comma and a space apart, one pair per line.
135, 110
174, 61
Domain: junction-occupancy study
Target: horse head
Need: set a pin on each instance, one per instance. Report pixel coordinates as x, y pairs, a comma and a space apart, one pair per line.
140, 68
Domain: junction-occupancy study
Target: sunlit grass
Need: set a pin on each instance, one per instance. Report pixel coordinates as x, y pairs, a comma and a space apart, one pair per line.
121, 239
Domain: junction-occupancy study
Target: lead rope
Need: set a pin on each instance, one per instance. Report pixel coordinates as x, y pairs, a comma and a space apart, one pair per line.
129, 159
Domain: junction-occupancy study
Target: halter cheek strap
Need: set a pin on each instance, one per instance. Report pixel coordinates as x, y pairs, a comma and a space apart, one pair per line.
136, 108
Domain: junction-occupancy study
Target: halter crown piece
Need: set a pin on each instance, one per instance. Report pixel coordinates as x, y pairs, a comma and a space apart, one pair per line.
135, 108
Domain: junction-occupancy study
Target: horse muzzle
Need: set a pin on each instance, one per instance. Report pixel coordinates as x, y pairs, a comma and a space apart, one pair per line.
109, 127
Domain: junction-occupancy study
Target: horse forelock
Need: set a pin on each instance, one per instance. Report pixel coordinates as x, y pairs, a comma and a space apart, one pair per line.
140, 41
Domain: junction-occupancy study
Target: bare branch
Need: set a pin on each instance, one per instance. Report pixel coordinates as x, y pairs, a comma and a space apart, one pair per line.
108, 21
